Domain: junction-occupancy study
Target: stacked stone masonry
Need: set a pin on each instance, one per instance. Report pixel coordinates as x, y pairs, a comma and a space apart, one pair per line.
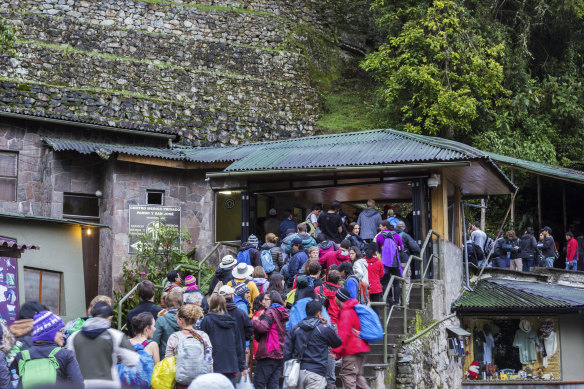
211, 71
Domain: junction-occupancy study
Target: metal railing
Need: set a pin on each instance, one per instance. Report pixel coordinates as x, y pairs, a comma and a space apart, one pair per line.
180, 266
406, 292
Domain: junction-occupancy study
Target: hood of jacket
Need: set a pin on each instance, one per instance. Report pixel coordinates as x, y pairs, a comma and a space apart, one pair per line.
342, 257
237, 300
372, 260
94, 326
304, 236
224, 275
224, 321
280, 312
309, 323
260, 281
327, 244
246, 246
349, 304
369, 212
268, 245
22, 327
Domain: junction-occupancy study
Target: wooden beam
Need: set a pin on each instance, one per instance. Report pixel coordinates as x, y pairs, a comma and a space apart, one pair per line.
171, 163
439, 203
457, 238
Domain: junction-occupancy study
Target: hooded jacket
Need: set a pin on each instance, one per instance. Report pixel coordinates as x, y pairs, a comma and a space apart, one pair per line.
271, 325
276, 252
360, 270
326, 246
22, 331
143, 306
527, 246
348, 321
368, 221
297, 260
572, 250
356, 241
68, 371
228, 357
307, 241
262, 283
376, 272
310, 340
255, 258
242, 320
223, 275
327, 292
166, 325
333, 258
98, 349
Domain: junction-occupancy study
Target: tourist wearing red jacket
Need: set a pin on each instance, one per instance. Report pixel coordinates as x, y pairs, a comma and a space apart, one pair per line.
571, 252
376, 271
353, 350
336, 257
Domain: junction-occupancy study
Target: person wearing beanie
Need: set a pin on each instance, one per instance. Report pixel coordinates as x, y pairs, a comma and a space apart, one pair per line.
191, 287
249, 253
336, 257
353, 350
48, 337
241, 298
98, 349
242, 275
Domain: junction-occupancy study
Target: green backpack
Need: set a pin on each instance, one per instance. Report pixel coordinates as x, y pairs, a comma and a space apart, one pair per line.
41, 371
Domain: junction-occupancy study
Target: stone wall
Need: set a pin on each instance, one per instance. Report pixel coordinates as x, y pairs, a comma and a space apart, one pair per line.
211, 71
425, 364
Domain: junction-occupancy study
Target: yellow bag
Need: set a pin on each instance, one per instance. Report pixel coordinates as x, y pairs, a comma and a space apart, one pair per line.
163, 376
290, 297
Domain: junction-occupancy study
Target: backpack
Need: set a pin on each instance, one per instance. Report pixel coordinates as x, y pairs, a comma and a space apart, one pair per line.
362, 290
41, 371
190, 357
138, 376
371, 330
488, 246
388, 246
475, 253
325, 292
267, 261
243, 256
311, 230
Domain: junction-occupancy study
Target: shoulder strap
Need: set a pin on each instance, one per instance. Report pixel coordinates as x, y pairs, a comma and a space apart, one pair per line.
53, 352
196, 335
25, 355
307, 342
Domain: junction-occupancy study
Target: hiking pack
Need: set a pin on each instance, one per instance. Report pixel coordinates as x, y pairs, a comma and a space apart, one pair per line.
371, 329
325, 292
389, 245
190, 357
138, 376
311, 230
267, 261
362, 290
243, 256
40, 371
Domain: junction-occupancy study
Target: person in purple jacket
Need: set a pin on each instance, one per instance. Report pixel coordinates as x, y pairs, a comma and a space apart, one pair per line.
390, 246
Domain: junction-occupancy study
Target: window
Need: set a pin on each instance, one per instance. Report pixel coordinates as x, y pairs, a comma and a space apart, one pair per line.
81, 207
8, 175
155, 197
43, 286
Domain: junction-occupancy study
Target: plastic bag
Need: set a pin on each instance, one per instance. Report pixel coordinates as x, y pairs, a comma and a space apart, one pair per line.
163, 376
291, 373
244, 383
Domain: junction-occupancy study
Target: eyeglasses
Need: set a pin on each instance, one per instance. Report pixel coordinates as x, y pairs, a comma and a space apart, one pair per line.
61, 331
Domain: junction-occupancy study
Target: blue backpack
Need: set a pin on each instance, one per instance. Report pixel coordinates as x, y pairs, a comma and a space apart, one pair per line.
243, 256
267, 261
138, 376
371, 330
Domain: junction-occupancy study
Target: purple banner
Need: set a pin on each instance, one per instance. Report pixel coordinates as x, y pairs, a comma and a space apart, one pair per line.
8, 290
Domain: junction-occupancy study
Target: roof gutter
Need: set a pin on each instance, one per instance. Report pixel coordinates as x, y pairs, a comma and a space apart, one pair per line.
409, 166
89, 126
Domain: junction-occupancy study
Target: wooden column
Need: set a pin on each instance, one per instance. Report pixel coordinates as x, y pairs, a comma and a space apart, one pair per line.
457, 238
483, 214
564, 207
512, 202
440, 208
539, 224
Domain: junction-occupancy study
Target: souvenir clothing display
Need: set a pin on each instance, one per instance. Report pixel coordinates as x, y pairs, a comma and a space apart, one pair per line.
526, 339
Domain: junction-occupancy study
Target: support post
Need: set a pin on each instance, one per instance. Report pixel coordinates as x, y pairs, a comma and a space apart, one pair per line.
564, 207
539, 223
512, 202
440, 208
483, 214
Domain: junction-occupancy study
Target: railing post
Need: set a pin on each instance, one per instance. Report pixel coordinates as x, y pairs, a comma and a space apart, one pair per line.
385, 333
423, 288
404, 305
440, 261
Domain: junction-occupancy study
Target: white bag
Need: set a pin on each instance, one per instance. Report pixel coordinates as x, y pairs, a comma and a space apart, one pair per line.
244, 383
291, 373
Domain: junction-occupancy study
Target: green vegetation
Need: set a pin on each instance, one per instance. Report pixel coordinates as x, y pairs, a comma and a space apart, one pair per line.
6, 37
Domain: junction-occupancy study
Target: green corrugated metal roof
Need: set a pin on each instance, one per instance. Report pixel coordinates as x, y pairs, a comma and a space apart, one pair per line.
510, 296
105, 149
19, 216
557, 172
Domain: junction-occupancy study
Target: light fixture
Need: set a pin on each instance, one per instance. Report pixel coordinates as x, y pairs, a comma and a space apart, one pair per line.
98, 193
225, 192
434, 181
88, 231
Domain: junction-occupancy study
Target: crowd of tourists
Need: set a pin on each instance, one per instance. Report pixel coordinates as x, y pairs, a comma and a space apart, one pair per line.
291, 308
509, 251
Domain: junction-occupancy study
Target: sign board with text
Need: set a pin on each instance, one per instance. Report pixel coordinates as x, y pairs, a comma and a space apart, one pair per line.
144, 218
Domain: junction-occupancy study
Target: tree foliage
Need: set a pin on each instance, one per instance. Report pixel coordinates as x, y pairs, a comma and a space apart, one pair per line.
503, 75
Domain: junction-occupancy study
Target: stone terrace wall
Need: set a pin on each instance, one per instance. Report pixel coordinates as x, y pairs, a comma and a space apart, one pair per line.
211, 71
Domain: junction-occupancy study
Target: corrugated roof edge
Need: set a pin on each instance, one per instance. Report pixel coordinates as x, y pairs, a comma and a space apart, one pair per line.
19, 216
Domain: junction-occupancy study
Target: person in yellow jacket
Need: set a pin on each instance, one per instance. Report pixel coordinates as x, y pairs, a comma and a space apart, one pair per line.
242, 274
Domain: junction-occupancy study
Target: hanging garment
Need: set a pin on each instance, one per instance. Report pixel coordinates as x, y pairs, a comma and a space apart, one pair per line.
488, 349
551, 347
526, 340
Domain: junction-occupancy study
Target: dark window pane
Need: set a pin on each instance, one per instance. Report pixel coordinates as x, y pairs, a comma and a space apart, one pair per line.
80, 205
8, 164
8, 189
156, 198
32, 281
51, 291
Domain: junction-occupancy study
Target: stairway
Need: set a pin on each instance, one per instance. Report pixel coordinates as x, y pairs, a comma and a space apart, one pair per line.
374, 362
